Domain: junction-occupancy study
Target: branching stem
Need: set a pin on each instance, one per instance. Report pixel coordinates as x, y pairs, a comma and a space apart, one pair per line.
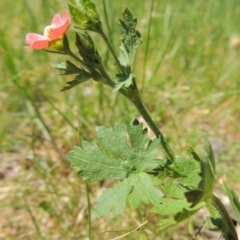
133, 95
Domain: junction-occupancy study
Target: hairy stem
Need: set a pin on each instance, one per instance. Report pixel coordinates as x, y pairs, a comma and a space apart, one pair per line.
231, 234
146, 116
109, 82
103, 35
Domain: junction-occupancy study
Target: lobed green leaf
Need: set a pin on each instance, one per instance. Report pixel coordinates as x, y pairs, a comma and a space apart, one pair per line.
131, 40
96, 164
131, 37
80, 78
120, 153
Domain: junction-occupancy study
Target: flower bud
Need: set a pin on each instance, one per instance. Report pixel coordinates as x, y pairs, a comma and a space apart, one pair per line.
85, 15
87, 49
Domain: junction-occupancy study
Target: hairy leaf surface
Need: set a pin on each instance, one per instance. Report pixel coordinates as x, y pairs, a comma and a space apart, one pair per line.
67, 68
80, 78
131, 40
120, 153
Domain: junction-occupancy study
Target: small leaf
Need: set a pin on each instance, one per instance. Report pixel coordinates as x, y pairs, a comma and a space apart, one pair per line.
70, 68
124, 80
77, 80
234, 200
189, 170
131, 37
67, 68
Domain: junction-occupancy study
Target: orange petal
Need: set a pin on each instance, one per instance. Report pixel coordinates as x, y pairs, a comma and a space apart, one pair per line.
58, 32
65, 17
40, 44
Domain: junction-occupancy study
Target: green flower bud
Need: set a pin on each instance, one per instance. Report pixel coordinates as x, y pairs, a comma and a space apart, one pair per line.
87, 49
85, 15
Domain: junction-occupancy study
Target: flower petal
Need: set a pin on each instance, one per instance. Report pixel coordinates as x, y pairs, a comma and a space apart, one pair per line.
65, 17
36, 41
56, 21
33, 37
40, 44
58, 32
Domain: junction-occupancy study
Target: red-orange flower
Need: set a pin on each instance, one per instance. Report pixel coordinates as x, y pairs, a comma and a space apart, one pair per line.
51, 34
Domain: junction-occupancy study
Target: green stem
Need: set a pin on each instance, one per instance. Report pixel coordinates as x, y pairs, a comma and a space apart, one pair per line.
134, 96
132, 93
71, 54
111, 83
146, 116
103, 35
89, 212
231, 234
84, 64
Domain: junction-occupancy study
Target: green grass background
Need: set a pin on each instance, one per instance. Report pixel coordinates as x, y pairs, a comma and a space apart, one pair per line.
188, 70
